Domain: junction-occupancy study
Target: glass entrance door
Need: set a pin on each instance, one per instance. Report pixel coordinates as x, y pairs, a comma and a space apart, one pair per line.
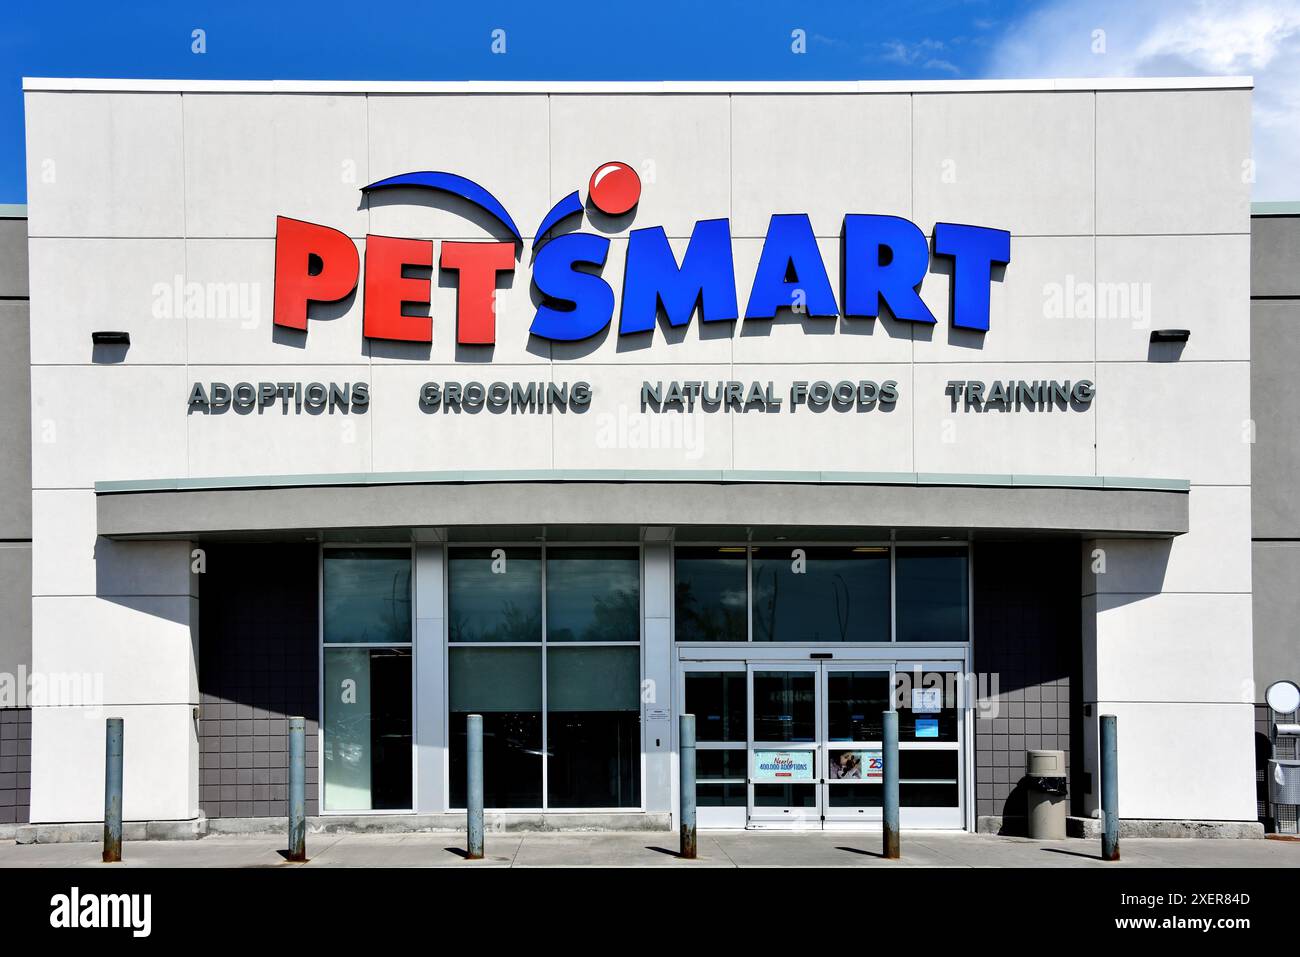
786, 732
816, 748
855, 697
799, 744
815, 756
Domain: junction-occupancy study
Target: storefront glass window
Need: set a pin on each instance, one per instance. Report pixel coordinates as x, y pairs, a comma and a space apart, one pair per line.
367, 596
367, 757
585, 744
504, 685
712, 604
367, 704
932, 593
820, 594
593, 727
495, 594
593, 594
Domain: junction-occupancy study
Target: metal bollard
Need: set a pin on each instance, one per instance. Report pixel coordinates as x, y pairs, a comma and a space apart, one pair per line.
686, 787
890, 802
297, 789
113, 791
474, 791
1109, 790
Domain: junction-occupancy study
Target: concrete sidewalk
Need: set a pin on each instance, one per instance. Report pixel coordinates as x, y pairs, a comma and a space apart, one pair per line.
623, 849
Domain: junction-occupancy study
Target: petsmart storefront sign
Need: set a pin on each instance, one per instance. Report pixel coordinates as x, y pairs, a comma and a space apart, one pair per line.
885, 260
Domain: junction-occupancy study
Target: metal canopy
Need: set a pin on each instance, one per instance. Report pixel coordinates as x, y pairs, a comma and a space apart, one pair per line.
589, 506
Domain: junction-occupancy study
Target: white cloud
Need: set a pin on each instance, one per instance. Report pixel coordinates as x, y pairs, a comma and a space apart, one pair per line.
944, 65
1260, 38
923, 53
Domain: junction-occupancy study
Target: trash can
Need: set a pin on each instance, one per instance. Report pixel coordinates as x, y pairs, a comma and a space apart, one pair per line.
1283, 781
1045, 784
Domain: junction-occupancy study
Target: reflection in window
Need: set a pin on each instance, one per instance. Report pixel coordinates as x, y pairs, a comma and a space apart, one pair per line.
711, 601
717, 699
588, 737
504, 685
593, 727
367, 596
932, 593
785, 704
367, 759
367, 691
821, 593
855, 702
494, 594
593, 594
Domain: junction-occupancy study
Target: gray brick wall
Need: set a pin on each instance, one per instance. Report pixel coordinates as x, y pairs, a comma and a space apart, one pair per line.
15, 765
257, 665
1027, 632
15, 509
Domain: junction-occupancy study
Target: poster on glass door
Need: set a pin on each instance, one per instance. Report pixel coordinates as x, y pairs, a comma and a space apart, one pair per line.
783, 766
855, 766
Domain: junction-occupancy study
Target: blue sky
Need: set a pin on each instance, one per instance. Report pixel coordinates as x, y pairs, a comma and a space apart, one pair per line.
664, 39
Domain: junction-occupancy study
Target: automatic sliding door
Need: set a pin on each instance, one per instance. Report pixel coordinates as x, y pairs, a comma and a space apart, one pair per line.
855, 700
785, 733
794, 744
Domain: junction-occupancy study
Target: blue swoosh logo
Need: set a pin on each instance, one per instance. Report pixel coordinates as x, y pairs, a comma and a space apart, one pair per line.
456, 185
571, 205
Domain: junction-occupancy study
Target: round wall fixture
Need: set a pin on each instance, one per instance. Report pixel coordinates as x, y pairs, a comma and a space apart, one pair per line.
1283, 696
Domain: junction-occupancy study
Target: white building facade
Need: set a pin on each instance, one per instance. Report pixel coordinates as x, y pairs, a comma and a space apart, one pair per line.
491, 484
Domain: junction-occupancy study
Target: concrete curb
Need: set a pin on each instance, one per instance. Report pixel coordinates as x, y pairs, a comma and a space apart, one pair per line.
1089, 828
201, 826
89, 832
93, 831
449, 823
597, 822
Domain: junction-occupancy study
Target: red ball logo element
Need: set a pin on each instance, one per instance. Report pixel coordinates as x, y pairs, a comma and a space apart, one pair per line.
614, 188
